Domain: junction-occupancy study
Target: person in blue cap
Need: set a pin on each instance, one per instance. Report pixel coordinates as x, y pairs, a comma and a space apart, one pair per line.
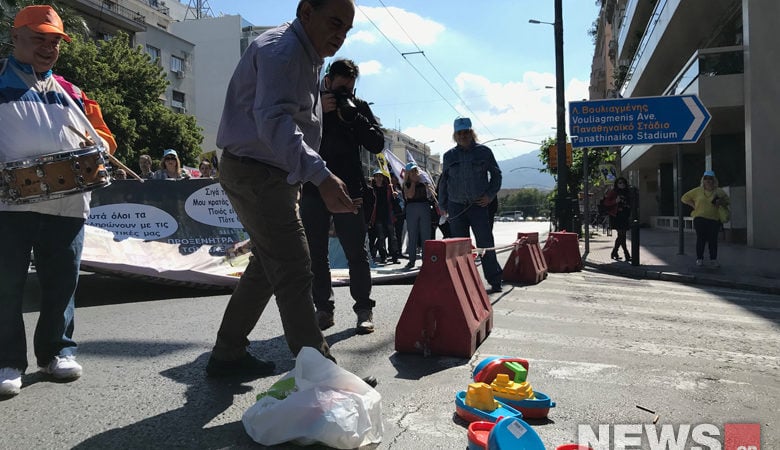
706, 200
470, 180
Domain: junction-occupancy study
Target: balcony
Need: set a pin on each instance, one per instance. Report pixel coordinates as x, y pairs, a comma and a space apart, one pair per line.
715, 75
668, 41
111, 12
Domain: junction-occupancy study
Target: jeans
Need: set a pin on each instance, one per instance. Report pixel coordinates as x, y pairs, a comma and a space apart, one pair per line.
267, 207
461, 217
706, 233
56, 242
351, 231
418, 224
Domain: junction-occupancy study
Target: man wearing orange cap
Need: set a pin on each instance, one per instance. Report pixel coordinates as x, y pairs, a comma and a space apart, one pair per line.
42, 114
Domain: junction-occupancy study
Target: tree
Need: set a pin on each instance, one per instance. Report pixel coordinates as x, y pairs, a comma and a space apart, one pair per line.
596, 157
128, 84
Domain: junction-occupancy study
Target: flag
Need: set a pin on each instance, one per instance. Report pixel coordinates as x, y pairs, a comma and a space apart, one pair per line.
382, 163
395, 164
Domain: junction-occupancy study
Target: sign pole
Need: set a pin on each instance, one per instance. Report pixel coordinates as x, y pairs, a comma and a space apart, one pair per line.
680, 219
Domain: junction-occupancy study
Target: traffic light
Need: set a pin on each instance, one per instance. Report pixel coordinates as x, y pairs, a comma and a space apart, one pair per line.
552, 155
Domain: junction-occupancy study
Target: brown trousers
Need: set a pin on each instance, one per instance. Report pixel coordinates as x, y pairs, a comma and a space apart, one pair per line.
267, 207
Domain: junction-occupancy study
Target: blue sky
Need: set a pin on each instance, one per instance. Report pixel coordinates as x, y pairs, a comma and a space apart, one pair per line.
481, 60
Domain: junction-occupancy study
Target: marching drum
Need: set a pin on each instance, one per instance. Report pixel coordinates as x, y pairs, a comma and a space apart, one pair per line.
53, 176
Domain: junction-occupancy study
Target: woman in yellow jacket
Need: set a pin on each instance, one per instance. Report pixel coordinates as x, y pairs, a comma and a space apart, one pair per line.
705, 201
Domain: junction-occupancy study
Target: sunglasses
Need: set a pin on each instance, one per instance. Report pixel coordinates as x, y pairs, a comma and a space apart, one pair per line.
169, 159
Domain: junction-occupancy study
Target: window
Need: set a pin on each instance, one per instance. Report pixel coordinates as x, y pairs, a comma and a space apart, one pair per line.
178, 102
154, 53
177, 64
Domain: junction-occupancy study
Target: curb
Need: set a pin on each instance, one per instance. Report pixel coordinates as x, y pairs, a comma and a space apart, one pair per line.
677, 277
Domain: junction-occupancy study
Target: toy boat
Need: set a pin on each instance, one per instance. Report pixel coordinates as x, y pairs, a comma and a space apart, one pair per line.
511, 433
535, 408
487, 369
478, 404
478, 435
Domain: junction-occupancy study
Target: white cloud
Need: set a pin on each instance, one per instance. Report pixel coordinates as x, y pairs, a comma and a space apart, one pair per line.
523, 110
423, 31
361, 36
372, 67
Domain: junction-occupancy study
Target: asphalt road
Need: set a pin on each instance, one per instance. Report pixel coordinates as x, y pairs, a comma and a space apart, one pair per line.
597, 344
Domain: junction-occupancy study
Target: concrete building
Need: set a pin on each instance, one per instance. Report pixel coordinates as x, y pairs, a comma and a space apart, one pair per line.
726, 53
400, 143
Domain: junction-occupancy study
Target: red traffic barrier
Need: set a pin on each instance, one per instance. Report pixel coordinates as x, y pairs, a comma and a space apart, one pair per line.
526, 263
448, 311
562, 252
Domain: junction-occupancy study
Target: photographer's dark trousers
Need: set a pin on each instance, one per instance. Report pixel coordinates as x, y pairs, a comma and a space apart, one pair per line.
706, 233
351, 231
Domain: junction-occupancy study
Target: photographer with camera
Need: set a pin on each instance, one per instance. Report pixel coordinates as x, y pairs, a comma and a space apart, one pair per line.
348, 125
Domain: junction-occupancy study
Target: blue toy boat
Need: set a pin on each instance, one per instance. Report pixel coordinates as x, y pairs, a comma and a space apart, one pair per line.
536, 408
471, 414
512, 433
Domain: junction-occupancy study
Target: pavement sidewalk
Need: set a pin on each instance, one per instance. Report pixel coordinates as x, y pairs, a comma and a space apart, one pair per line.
742, 267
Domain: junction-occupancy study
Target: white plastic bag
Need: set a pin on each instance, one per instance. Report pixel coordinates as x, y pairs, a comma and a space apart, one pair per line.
330, 405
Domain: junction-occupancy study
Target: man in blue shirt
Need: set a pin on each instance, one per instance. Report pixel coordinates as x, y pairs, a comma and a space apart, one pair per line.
470, 180
270, 132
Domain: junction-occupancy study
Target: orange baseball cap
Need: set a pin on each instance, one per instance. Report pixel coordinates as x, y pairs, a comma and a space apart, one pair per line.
42, 19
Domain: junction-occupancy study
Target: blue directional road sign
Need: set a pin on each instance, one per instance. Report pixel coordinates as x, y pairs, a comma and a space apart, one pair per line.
639, 120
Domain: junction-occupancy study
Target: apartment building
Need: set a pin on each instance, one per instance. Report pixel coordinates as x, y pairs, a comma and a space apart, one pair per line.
726, 53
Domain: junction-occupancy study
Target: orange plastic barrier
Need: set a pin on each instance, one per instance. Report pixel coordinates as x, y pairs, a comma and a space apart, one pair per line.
448, 311
526, 264
562, 252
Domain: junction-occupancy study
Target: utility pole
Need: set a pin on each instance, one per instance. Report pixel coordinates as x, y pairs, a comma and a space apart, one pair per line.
562, 205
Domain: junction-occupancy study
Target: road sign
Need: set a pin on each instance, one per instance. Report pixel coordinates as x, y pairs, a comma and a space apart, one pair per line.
639, 120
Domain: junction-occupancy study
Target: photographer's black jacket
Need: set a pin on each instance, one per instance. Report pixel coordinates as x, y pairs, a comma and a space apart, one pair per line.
341, 144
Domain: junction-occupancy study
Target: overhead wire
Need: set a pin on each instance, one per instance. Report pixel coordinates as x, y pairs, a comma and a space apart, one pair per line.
405, 59
465, 104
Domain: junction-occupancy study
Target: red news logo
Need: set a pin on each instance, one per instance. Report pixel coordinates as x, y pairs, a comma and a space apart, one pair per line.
742, 436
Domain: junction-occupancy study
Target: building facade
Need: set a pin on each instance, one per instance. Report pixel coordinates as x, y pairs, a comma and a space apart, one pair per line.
726, 53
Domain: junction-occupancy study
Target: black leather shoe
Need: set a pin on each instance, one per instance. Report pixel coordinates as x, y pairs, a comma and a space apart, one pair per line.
246, 366
615, 256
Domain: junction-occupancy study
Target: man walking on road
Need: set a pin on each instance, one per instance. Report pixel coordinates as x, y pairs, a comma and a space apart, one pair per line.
470, 180
270, 132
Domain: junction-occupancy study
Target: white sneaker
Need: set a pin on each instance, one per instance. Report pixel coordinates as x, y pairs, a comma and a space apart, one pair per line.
63, 368
10, 381
699, 262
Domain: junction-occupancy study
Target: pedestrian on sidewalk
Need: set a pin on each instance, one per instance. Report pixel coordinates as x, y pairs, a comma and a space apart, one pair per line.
270, 132
706, 201
618, 203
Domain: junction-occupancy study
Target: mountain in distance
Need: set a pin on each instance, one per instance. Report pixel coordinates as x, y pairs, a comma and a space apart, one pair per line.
523, 172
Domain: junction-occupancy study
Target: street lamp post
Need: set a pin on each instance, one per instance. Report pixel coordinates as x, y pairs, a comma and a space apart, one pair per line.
562, 206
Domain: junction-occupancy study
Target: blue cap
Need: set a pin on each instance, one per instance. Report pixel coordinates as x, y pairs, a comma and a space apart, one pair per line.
170, 151
410, 166
462, 123
709, 173
378, 172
